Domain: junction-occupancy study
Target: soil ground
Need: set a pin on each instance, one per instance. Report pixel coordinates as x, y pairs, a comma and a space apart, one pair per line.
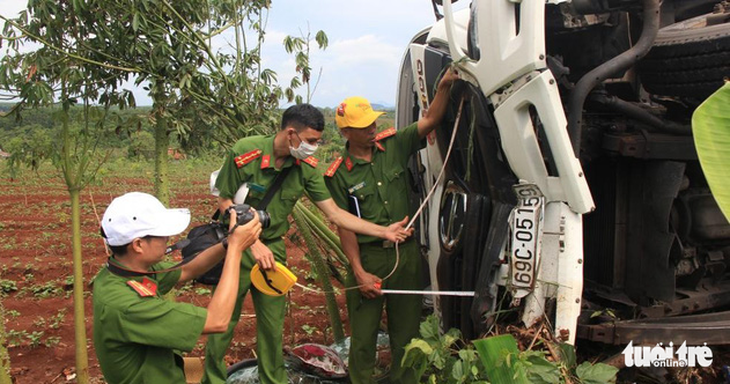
36, 279
36, 259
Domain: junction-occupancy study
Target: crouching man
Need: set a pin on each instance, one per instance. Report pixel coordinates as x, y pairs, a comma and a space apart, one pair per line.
136, 331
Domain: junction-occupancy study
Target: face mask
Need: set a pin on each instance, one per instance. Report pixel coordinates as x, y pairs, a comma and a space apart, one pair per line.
303, 151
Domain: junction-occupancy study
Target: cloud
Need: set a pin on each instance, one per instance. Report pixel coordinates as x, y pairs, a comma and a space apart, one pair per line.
367, 42
364, 50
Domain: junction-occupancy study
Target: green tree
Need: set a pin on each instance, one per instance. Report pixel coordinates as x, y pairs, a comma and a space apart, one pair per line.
60, 72
301, 48
167, 45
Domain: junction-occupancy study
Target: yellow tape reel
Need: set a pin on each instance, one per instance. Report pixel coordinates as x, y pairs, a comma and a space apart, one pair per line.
273, 283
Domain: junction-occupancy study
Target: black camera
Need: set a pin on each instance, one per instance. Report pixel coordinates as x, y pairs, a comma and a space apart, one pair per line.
244, 215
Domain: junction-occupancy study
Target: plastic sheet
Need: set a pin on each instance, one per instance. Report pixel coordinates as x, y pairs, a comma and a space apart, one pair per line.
313, 363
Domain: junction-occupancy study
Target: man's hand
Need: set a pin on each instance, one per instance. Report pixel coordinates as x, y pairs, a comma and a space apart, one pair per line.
369, 285
397, 232
263, 255
244, 236
437, 109
449, 77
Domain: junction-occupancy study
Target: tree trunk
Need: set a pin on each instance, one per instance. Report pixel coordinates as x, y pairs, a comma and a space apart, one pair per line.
322, 275
162, 143
4, 358
82, 360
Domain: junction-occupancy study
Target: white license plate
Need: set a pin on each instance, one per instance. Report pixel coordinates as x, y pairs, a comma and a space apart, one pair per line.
526, 238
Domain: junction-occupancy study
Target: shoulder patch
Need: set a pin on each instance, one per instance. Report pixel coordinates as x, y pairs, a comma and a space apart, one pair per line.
265, 161
385, 134
247, 157
312, 161
146, 288
332, 169
349, 164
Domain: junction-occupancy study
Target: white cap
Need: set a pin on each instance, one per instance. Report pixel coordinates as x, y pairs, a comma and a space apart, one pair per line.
136, 214
213, 177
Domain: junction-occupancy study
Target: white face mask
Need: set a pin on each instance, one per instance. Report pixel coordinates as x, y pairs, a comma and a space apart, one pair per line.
303, 151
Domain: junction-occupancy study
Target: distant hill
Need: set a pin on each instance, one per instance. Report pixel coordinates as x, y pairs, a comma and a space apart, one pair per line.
382, 107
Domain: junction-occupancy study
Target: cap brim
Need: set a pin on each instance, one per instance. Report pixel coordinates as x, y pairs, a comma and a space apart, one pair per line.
172, 222
366, 120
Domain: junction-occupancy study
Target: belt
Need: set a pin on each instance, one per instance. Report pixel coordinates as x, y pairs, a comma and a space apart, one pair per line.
385, 243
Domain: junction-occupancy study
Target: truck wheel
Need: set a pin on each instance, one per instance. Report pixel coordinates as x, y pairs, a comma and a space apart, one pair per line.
689, 58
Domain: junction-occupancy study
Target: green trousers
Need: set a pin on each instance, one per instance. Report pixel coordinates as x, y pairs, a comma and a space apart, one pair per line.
403, 311
270, 313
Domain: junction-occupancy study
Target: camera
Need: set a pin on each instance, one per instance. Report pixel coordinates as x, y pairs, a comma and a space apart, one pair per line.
244, 215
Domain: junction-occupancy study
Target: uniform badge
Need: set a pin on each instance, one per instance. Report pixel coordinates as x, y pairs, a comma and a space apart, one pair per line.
265, 161
247, 157
256, 187
349, 164
312, 161
146, 288
333, 167
356, 188
385, 134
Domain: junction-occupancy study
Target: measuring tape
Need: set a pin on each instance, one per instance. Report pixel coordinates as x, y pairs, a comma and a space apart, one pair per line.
279, 281
434, 293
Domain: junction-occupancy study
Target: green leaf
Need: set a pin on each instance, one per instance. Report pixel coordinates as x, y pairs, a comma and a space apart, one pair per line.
457, 371
429, 329
711, 131
596, 373
493, 351
467, 355
567, 355
542, 371
321, 39
416, 356
135, 22
418, 345
439, 358
288, 44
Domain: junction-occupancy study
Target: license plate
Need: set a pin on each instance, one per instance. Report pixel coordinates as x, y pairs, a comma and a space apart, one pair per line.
526, 227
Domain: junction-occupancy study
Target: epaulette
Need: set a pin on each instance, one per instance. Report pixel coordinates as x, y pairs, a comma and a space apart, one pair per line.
385, 134
265, 161
333, 167
311, 160
146, 288
247, 157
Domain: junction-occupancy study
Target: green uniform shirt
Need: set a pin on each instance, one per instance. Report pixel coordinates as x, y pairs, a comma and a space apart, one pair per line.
380, 185
135, 337
251, 160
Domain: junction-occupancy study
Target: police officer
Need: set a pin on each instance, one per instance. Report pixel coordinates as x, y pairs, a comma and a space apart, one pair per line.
371, 179
256, 161
136, 330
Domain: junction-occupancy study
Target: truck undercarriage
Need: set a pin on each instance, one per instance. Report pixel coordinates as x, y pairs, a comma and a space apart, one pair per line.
574, 186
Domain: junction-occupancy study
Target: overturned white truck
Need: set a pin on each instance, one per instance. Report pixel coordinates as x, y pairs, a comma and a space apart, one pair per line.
573, 184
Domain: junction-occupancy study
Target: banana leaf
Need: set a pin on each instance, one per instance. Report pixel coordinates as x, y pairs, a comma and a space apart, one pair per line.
497, 354
711, 130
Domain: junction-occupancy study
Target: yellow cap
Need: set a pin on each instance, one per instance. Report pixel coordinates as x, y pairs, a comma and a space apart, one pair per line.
355, 112
273, 283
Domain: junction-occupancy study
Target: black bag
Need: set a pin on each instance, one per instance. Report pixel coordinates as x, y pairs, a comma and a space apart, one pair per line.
205, 236
201, 238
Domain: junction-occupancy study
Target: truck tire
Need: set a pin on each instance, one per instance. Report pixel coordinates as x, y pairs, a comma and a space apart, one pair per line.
689, 58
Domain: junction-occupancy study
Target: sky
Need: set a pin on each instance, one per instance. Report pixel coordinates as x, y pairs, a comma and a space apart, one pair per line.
367, 40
